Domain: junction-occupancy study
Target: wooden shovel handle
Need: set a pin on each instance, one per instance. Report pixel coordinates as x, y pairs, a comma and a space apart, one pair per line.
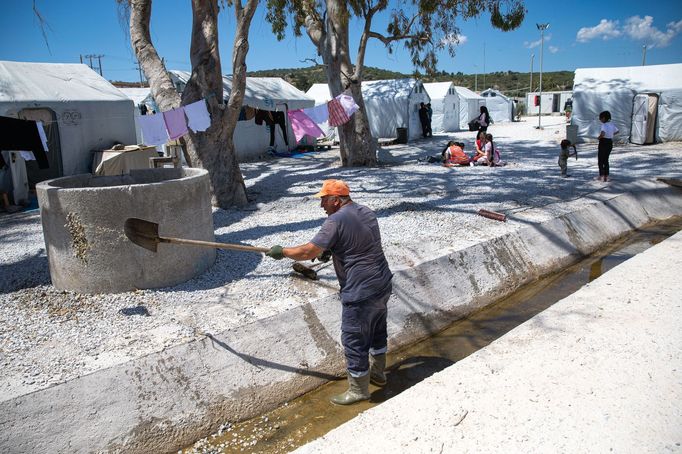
236, 247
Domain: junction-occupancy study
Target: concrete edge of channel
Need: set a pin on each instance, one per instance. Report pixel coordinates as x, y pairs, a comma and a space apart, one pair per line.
169, 399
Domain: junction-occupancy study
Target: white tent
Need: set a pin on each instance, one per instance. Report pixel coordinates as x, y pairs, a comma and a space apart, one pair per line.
645, 102
445, 106
81, 112
251, 140
499, 106
393, 104
469, 106
320, 93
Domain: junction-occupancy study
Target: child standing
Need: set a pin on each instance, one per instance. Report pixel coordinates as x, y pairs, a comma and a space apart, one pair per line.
564, 155
608, 130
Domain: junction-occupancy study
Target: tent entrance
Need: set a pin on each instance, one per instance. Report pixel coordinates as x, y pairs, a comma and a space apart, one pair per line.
644, 115
54, 155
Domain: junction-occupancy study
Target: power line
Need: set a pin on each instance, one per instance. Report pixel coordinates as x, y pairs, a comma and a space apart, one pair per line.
99, 62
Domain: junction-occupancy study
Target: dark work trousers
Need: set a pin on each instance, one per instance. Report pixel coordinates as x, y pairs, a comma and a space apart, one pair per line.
603, 152
363, 331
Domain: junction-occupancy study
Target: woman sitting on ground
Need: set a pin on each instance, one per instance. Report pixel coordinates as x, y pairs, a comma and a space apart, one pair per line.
453, 155
492, 154
480, 144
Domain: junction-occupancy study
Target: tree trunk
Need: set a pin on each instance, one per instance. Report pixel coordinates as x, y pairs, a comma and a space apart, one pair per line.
358, 147
210, 149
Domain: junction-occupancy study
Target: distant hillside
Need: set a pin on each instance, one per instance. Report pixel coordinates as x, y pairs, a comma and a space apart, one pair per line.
508, 82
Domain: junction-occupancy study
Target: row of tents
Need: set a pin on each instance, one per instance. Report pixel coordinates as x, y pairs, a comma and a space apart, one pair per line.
82, 112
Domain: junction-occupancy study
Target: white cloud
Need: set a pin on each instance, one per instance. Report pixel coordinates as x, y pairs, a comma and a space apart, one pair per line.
454, 39
533, 44
606, 29
553, 49
642, 29
636, 28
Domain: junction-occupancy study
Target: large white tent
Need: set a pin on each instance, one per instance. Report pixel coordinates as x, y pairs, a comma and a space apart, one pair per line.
393, 104
499, 106
645, 102
445, 106
251, 140
469, 106
80, 110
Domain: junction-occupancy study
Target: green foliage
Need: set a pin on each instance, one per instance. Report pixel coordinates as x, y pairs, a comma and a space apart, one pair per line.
508, 82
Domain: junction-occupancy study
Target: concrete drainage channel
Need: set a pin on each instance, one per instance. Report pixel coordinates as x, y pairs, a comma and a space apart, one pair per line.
167, 400
311, 416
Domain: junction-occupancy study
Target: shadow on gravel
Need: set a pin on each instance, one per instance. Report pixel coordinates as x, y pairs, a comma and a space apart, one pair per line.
14, 276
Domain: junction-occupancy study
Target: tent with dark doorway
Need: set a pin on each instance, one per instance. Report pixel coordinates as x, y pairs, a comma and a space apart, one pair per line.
393, 104
645, 102
445, 106
80, 111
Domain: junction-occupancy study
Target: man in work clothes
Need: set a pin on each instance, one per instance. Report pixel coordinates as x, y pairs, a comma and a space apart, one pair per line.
351, 233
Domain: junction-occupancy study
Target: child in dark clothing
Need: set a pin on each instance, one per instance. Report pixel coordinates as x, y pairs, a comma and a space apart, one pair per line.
564, 154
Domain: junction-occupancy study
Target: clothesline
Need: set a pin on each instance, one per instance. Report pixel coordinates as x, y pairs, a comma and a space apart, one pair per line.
336, 112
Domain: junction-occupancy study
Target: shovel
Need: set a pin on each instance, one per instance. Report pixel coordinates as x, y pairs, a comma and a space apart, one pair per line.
146, 234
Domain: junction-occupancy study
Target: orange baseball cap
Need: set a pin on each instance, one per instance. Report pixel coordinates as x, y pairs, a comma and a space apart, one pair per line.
333, 187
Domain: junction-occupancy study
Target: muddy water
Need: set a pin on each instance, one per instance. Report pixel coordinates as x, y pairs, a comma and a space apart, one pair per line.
312, 416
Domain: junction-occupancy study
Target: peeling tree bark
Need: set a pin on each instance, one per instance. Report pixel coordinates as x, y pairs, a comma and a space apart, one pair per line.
212, 149
357, 146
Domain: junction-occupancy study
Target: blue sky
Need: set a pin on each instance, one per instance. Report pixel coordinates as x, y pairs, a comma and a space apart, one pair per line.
581, 34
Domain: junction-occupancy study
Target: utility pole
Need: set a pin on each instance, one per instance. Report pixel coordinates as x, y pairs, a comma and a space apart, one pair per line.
532, 57
644, 55
484, 85
542, 28
99, 59
139, 69
476, 79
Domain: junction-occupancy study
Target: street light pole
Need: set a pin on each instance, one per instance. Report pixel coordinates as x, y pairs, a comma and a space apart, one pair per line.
542, 28
476, 79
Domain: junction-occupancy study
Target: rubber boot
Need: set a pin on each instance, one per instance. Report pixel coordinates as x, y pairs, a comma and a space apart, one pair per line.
377, 364
358, 390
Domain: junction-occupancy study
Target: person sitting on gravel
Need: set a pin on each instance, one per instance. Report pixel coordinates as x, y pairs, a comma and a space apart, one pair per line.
351, 233
453, 155
492, 154
480, 144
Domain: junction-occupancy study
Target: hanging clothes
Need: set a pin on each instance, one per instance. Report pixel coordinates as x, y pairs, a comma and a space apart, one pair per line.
24, 135
303, 125
279, 119
175, 122
246, 113
319, 114
198, 118
337, 114
153, 129
263, 116
348, 103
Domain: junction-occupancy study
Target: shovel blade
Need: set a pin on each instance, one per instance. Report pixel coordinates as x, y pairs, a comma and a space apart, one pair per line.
143, 233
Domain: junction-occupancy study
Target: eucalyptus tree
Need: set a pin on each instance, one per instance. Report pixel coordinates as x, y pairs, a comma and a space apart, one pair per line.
212, 149
425, 27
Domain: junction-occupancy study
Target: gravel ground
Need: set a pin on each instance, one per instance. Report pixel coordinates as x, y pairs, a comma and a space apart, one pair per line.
48, 336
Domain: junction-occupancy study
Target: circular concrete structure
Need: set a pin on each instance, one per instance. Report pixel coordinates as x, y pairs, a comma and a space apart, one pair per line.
88, 252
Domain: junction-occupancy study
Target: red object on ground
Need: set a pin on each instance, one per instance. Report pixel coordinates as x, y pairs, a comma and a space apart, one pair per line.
493, 215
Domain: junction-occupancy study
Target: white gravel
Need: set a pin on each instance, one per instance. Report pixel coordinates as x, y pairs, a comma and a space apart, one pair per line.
48, 336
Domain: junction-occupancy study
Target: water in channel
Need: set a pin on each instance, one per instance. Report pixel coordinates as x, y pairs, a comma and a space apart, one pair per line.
312, 415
